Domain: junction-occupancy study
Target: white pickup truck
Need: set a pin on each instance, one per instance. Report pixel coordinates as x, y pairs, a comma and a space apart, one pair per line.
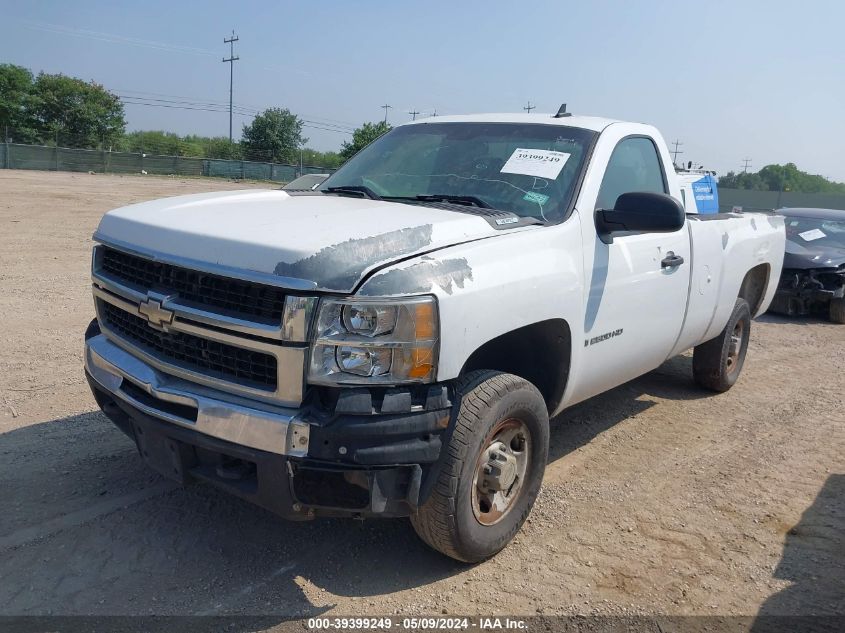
394, 342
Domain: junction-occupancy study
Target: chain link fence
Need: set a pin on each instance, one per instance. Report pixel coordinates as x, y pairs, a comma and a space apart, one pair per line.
751, 200
18, 156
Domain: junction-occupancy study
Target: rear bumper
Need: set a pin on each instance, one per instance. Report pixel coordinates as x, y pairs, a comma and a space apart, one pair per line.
297, 463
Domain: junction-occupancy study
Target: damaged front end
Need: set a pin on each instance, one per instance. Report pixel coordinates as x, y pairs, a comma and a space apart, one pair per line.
810, 291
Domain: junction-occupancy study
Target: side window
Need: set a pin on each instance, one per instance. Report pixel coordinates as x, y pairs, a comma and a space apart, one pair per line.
634, 166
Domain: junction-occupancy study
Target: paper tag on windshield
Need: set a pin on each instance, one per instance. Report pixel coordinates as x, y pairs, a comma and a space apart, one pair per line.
814, 234
535, 162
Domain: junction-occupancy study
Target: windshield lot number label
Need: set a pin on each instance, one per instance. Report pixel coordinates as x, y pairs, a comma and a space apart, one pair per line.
535, 162
814, 234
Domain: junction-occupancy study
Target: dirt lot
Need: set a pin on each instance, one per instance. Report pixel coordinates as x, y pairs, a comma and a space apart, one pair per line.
658, 498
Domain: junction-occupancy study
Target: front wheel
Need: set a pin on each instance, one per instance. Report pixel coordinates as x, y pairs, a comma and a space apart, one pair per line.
716, 364
837, 310
491, 470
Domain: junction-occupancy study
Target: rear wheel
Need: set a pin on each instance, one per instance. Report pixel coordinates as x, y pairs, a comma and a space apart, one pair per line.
837, 310
492, 469
716, 364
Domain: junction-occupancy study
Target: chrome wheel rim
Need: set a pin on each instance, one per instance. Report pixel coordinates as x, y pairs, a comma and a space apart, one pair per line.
500, 471
735, 346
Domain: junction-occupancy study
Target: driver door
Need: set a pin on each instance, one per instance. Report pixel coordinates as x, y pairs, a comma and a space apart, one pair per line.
638, 284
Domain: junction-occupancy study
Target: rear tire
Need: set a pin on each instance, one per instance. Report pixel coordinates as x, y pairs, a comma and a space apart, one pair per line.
492, 468
837, 310
716, 364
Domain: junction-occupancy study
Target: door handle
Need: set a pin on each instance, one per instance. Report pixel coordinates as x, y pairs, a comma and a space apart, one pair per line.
671, 260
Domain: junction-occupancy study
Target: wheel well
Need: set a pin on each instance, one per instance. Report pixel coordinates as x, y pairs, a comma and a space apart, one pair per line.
540, 353
754, 286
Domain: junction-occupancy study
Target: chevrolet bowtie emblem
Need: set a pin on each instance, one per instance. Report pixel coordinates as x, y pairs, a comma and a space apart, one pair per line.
156, 316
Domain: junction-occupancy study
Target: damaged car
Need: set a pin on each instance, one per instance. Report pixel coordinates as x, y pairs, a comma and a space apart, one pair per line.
813, 278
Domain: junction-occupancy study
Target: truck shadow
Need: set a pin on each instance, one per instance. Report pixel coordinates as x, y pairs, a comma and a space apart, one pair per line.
780, 319
87, 529
580, 424
813, 561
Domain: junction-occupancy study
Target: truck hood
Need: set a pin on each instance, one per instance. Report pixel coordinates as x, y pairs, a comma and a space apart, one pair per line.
799, 256
329, 242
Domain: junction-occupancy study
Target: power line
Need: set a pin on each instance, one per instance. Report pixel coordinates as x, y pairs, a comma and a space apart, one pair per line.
242, 109
529, 107
179, 107
315, 125
210, 104
232, 59
676, 151
112, 38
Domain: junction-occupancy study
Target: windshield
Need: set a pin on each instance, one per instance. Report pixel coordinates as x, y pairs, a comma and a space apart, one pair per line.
815, 232
528, 169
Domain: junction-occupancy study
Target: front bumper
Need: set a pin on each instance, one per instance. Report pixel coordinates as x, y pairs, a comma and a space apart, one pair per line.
807, 292
298, 463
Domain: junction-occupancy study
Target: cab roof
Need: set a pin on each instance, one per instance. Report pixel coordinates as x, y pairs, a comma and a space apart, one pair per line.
596, 124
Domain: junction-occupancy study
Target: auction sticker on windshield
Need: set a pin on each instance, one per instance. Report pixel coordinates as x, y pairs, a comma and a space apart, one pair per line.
813, 234
542, 163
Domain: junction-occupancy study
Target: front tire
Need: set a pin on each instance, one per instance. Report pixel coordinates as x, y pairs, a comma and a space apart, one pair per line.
716, 364
491, 470
837, 310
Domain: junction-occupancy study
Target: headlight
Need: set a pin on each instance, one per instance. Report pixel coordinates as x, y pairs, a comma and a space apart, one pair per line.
362, 341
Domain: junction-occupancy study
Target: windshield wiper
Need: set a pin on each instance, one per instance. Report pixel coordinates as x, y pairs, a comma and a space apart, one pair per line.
354, 189
445, 197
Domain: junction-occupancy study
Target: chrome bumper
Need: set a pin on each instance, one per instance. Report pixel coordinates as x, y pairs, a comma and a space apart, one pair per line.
253, 424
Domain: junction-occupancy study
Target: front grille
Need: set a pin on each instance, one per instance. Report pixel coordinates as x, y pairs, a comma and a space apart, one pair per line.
241, 298
212, 358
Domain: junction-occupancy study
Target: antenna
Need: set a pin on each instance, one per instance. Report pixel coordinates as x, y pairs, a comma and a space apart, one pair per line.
562, 112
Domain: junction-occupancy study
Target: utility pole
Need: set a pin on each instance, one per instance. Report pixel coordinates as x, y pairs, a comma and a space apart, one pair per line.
676, 151
385, 106
414, 114
529, 107
434, 113
232, 59
746, 166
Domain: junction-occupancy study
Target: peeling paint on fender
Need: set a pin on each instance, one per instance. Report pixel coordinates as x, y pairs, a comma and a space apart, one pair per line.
340, 266
421, 277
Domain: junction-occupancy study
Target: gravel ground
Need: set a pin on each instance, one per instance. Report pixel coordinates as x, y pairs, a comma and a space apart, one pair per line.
659, 498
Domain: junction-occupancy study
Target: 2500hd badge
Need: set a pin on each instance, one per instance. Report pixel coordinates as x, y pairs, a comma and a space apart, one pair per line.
603, 337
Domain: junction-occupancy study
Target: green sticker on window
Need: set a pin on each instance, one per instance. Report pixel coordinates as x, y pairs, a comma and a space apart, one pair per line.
539, 198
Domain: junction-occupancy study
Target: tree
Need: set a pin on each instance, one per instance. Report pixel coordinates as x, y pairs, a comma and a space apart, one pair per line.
314, 158
153, 142
16, 86
362, 137
781, 178
220, 147
274, 135
743, 180
79, 113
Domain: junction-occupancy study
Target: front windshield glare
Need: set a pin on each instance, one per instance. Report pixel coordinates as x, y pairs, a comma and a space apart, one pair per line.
528, 169
816, 232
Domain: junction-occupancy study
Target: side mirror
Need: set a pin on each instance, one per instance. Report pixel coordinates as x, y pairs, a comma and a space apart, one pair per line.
641, 212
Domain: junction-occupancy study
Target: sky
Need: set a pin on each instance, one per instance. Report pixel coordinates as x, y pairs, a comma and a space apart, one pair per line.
748, 79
